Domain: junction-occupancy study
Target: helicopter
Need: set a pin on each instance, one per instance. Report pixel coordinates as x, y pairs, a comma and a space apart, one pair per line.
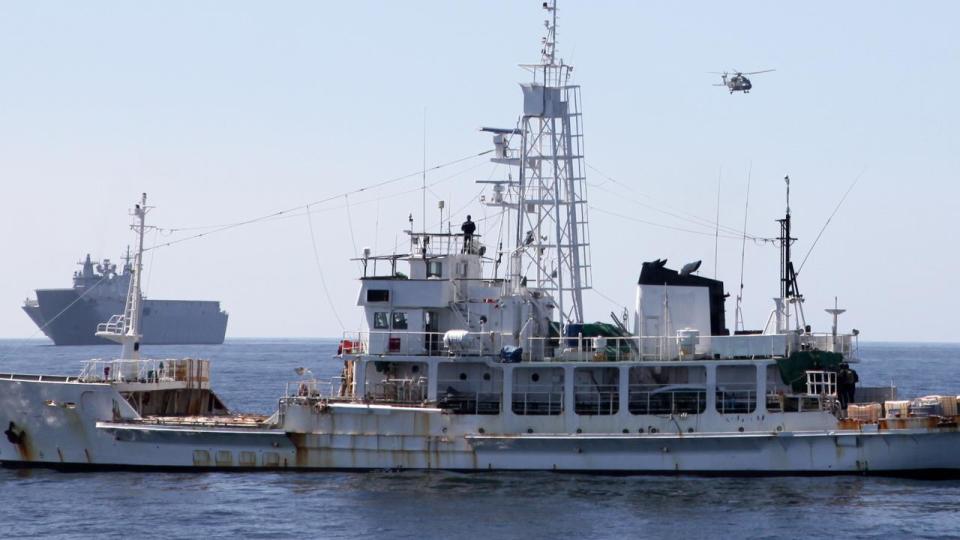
738, 82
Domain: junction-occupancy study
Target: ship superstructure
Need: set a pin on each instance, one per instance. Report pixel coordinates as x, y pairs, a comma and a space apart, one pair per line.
460, 365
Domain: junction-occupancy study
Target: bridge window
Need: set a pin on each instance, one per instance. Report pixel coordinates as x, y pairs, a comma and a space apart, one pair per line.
434, 269
596, 391
399, 320
668, 390
736, 389
378, 295
381, 320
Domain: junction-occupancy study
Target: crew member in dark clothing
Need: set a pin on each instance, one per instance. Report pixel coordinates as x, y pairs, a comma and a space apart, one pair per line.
468, 228
847, 380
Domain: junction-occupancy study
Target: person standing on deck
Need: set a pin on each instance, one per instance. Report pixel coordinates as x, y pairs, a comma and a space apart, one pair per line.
468, 228
847, 380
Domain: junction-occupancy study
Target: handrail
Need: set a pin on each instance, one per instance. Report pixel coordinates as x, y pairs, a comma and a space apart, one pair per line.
189, 370
581, 348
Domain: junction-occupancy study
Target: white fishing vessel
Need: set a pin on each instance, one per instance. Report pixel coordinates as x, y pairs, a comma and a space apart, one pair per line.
476, 357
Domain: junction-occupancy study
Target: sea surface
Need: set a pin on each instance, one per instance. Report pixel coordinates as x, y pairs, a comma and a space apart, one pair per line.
250, 374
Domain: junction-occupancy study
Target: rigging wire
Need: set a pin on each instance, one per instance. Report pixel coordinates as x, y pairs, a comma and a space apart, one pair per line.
835, 210
156, 232
64, 310
607, 298
680, 229
716, 237
659, 207
323, 281
213, 229
738, 316
353, 240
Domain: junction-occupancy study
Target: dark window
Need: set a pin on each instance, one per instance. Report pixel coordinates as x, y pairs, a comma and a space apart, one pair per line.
381, 320
434, 269
378, 295
399, 320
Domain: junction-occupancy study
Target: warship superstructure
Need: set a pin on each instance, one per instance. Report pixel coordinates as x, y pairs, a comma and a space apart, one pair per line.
474, 355
69, 316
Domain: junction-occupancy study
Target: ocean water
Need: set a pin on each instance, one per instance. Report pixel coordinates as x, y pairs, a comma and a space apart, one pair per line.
250, 375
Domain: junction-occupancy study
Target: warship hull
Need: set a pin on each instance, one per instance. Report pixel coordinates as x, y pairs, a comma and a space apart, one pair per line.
73, 321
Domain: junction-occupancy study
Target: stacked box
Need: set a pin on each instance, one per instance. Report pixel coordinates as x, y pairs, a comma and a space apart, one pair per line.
897, 409
864, 412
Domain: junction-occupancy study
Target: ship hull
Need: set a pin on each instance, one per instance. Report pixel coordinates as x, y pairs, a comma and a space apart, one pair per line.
65, 424
73, 320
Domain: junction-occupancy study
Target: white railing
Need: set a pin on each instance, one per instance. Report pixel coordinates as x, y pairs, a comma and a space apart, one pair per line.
443, 244
537, 400
117, 324
592, 349
656, 348
404, 343
845, 344
821, 383
191, 371
331, 388
737, 398
596, 399
663, 400
413, 390
452, 397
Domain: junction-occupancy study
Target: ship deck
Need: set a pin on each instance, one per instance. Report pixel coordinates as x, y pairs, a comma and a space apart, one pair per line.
216, 421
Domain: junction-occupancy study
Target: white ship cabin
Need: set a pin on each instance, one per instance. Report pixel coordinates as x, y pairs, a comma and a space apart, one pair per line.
446, 336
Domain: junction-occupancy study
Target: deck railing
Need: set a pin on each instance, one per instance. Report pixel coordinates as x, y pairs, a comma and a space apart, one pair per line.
316, 388
453, 397
593, 349
191, 371
539, 400
663, 400
737, 398
596, 399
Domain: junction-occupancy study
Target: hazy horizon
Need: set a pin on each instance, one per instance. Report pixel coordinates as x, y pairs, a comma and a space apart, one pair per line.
223, 112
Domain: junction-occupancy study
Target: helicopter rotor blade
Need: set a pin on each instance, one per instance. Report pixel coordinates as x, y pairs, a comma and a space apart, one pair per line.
759, 72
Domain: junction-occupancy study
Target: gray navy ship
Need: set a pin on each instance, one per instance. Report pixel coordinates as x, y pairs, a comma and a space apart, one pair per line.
70, 316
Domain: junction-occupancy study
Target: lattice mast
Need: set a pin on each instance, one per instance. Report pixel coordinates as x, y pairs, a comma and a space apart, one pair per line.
550, 224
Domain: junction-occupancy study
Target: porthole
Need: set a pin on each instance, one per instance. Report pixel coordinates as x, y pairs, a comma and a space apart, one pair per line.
535, 377
740, 429
415, 369
463, 376
529, 430
486, 376
625, 430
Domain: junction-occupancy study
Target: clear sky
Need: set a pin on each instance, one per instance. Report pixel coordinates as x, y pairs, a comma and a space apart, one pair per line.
223, 111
